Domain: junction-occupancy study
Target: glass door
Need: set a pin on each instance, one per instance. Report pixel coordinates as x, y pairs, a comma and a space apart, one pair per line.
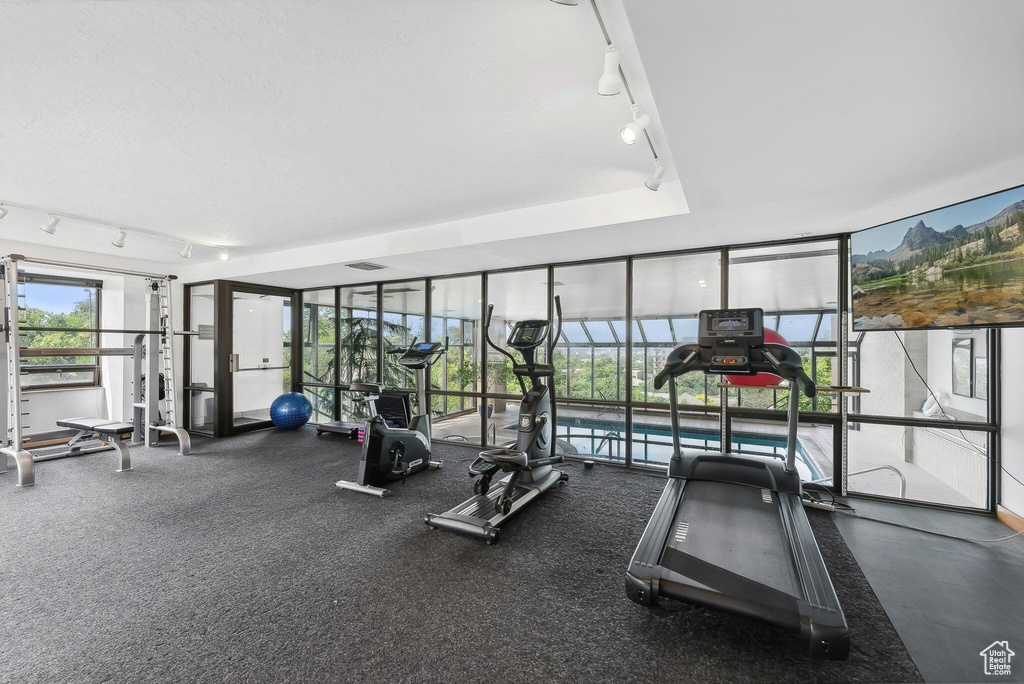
200, 394
260, 362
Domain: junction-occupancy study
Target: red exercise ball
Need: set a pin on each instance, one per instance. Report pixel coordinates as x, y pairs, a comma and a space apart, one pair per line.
760, 379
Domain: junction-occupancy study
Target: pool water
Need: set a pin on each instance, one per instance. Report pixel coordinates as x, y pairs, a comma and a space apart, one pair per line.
652, 444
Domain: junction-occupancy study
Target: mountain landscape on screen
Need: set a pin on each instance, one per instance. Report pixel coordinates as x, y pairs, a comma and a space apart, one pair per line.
953, 267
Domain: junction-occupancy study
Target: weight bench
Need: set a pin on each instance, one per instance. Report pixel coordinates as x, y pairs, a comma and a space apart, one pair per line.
108, 432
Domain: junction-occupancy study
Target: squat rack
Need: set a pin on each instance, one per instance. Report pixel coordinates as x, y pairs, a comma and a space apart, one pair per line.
145, 385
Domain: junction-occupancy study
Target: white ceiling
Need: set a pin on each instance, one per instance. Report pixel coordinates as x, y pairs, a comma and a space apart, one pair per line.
810, 116
796, 116
263, 126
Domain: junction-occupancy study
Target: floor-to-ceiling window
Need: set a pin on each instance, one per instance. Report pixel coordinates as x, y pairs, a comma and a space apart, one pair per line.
797, 286
922, 433
358, 347
668, 293
590, 361
621, 319
319, 360
455, 305
516, 295
403, 319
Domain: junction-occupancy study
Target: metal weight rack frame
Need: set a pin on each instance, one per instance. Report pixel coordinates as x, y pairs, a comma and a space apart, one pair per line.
149, 362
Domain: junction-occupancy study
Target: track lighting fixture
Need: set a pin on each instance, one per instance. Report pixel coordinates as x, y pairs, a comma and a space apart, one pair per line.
571, 3
630, 133
610, 83
51, 225
186, 251
654, 180
119, 239
3, 212
224, 256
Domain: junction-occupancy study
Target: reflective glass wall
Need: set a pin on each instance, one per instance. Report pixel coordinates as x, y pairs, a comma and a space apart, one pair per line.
455, 382
319, 352
590, 361
621, 319
358, 347
516, 296
798, 288
403, 321
668, 293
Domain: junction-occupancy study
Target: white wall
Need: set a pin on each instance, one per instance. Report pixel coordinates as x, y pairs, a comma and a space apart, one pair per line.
1011, 428
45, 407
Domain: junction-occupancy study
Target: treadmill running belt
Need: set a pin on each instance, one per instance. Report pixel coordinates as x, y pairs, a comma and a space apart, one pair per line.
728, 583
737, 529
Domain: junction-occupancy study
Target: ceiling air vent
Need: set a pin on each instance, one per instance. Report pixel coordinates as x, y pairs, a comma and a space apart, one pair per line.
366, 266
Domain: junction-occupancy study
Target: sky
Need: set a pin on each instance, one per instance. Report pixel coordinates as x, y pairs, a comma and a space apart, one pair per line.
890, 235
58, 299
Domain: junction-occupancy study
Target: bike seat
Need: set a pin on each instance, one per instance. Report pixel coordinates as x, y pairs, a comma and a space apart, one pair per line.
366, 387
506, 457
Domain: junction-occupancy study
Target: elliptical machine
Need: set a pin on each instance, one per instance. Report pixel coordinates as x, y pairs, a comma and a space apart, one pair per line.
391, 454
529, 462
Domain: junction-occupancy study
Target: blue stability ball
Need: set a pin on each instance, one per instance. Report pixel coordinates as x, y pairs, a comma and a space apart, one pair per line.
290, 411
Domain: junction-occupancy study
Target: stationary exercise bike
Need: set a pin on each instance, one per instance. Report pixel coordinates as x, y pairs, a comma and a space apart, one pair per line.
391, 454
529, 461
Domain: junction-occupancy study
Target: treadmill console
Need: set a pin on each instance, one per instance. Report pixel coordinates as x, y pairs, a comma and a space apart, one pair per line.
730, 333
528, 334
417, 355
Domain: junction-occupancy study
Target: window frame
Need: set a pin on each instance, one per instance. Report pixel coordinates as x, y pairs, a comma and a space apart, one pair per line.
39, 369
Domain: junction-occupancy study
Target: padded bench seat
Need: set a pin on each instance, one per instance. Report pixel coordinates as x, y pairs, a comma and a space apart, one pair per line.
110, 433
100, 426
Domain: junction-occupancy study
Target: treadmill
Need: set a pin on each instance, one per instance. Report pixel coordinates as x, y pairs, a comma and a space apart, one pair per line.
730, 532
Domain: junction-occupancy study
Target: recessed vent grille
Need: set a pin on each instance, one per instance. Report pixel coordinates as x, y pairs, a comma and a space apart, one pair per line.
366, 266
681, 530
766, 495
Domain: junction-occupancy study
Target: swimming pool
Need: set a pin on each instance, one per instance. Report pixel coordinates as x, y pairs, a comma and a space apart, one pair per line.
652, 444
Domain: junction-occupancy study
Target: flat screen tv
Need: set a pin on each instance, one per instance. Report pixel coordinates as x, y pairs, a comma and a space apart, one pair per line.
960, 266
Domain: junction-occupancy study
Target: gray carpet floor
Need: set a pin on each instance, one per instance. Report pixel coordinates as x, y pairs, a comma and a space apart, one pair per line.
243, 563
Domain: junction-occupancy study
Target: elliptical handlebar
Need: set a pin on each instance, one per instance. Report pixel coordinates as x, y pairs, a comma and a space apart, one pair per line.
553, 339
487, 336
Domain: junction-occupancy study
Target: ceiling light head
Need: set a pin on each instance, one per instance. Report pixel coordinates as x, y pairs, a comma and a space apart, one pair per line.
630, 133
186, 251
51, 225
224, 256
654, 180
610, 83
119, 239
3, 212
